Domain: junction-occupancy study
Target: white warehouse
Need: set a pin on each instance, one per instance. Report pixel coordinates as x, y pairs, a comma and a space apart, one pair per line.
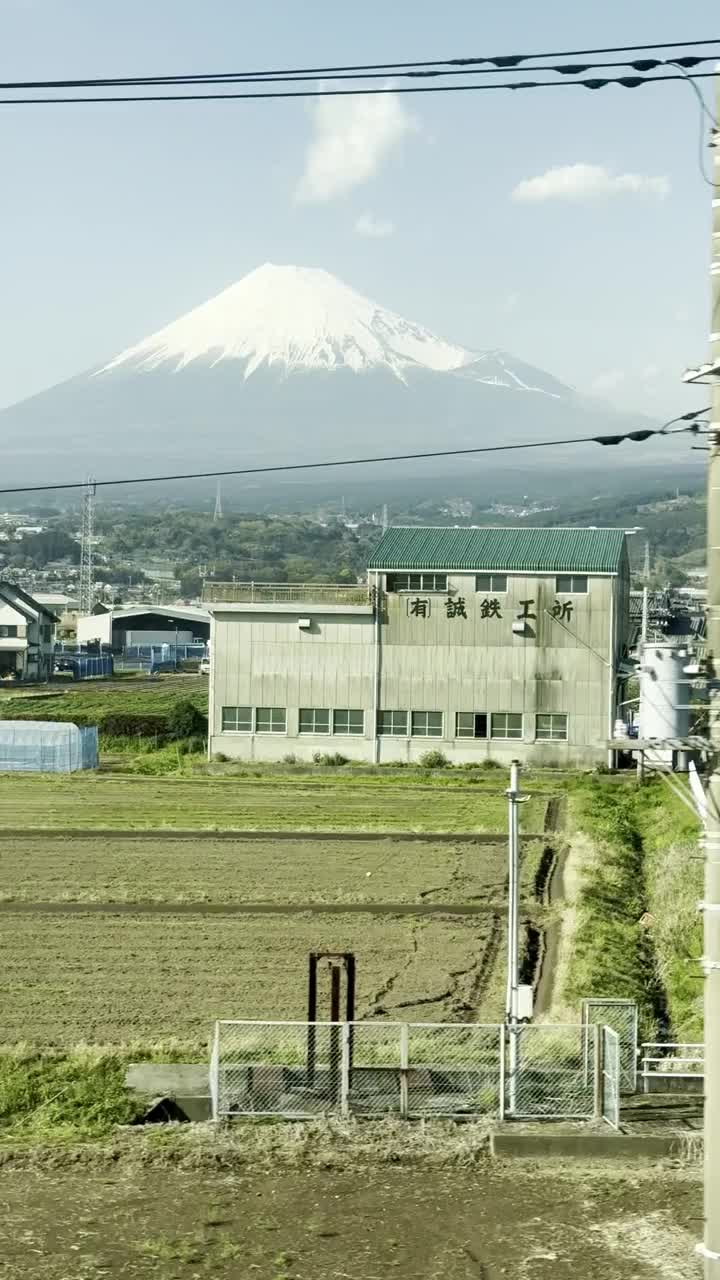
481, 642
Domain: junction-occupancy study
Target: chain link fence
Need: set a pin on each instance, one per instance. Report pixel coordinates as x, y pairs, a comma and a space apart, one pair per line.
298, 1069
546, 1074
622, 1016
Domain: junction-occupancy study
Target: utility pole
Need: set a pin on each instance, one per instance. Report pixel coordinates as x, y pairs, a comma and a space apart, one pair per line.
710, 1248
513, 965
87, 585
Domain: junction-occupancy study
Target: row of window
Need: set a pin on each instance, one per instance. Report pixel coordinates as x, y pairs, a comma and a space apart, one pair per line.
565, 583
274, 720
549, 726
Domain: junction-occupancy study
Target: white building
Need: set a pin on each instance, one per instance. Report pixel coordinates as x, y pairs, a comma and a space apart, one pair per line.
483, 643
27, 635
119, 628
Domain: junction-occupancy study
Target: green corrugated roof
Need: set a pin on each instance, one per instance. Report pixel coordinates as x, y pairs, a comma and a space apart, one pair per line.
517, 550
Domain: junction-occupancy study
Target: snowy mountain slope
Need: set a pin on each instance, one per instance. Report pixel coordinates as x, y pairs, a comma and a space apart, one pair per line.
293, 317
291, 365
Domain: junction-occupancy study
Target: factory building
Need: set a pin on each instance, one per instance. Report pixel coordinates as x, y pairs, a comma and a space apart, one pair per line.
483, 643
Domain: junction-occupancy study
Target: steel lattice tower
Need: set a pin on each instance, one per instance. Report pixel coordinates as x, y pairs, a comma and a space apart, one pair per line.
87, 584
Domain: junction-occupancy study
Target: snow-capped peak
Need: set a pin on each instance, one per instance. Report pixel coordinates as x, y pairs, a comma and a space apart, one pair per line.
295, 318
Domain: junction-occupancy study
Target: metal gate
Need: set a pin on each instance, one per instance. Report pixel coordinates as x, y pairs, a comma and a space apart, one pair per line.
622, 1017
611, 1077
546, 1075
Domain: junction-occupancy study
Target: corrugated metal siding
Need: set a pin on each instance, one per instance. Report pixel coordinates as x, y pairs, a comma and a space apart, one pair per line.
517, 550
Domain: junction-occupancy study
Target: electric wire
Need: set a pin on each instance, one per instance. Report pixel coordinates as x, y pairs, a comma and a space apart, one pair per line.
289, 77
627, 82
500, 61
704, 112
638, 436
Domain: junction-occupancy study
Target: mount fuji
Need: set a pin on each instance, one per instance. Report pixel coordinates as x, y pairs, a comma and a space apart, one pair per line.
287, 365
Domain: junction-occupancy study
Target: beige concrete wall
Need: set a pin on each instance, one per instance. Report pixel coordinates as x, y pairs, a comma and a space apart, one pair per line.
433, 663
265, 659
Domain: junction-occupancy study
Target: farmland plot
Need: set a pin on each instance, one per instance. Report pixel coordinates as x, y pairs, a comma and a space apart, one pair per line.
86, 801
117, 869
122, 977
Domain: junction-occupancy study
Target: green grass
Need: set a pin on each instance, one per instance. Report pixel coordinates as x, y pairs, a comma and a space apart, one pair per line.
674, 880
92, 801
73, 1096
90, 700
638, 935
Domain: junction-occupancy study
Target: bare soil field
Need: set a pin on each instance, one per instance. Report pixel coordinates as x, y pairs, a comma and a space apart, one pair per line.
128, 978
118, 869
480, 1223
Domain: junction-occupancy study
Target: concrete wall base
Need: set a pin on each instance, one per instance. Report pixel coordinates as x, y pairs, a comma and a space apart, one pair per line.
585, 1144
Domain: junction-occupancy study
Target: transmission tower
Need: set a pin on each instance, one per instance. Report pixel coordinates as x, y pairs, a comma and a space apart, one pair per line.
218, 503
87, 583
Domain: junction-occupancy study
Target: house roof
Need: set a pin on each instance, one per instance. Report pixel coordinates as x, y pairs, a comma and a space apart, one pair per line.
18, 599
515, 550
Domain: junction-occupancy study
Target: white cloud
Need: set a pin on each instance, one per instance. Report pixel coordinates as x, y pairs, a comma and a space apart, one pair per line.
608, 380
376, 228
588, 182
352, 137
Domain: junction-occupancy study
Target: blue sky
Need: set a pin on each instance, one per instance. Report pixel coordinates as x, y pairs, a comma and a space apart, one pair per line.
115, 219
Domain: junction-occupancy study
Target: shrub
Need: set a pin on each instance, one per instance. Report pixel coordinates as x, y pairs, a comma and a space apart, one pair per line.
434, 760
221, 758
185, 721
290, 758
120, 724
333, 758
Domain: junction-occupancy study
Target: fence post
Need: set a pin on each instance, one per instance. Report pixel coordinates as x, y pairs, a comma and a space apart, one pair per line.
215, 1073
502, 1073
404, 1067
598, 1068
345, 1069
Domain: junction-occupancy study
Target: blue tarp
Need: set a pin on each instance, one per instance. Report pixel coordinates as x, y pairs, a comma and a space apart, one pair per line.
39, 746
85, 665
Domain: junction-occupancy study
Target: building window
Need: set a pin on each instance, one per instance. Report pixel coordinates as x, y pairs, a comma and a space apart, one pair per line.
571, 584
314, 720
552, 727
426, 724
349, 721
416, 582
496, 582
237, 719
270, 720
8, 632
506, 724
393, 723
471, 724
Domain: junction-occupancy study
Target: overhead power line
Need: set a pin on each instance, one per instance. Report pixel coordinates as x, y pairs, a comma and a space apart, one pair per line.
292, 76
499, 61
638, 436
627, 82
